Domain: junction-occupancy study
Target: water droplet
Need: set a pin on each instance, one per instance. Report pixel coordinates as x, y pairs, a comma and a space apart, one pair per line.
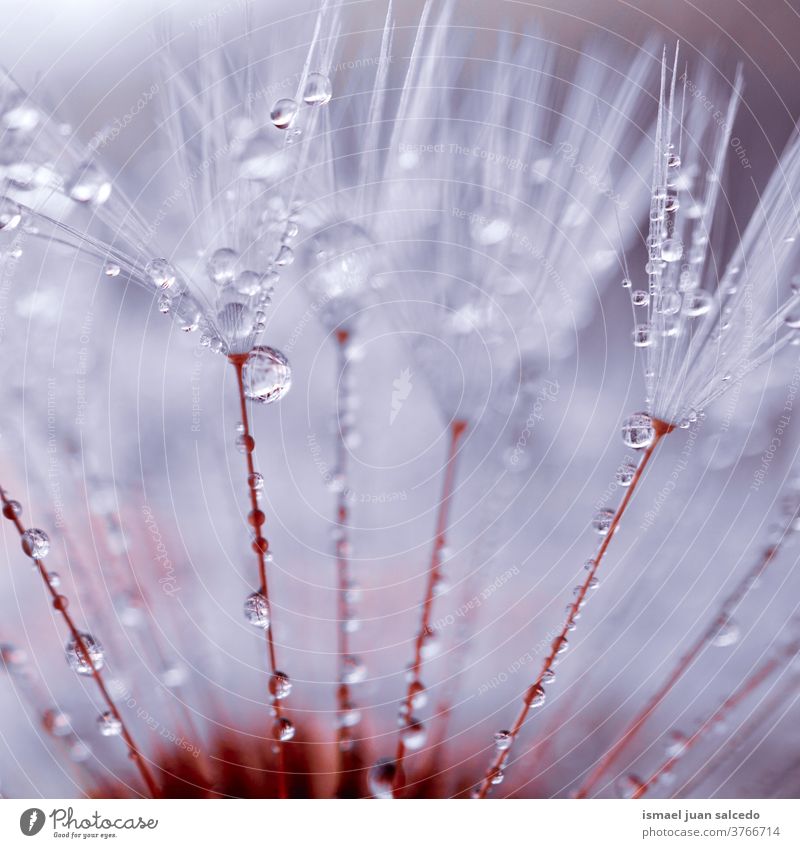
536, 696
108, 724
256, 610
256, 481
53, 580
419, 697
283, 113
283, 730
640, 298
643, 335
12, 510
35, 543
792, 320
503, 740
625, 473
676, 744
727, 634
222, 266
248, 283
668, 302
160, 273
174, 676
285, 256
626, 283
380, 780
56, 722
672, 250
21, 118
697, 303
637, 430
77, 659
89, 185
353, 670
414, 734
10, 214
280, 685
350, 716
111, 269
601, 523
490, 225
496, 776
318, 90
267, 375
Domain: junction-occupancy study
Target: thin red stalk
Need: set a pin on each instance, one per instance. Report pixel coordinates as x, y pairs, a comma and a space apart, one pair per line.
457, 429
60, 603
536, 689
750, 685
260, 546
681, 667
343, 692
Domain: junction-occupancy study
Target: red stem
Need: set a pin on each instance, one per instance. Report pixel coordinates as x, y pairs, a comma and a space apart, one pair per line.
681, 667
751, 684
60, 604
457, 429
260, 546
660, 430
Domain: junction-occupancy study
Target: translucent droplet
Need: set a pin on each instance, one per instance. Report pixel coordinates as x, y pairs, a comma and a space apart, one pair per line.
640, 298
267, 375
283, 113
672, 250
727, 635
503, 740
637, 430
248, 283
353, 670
536, 696
56, 722
350, 716
697, 303
625, 473
21, 118
381, 778
54, 580
643, 335
174, 676
676, 744
256, 610
283, 730
109, 725
626, 283
256, 481
160, 273
280, 685
12, 509
413, 734
78, 660
792, 320
35, 543
496, 776
601, 523
419, 697
111, 269
89, 185
10, 214
318, 90
222, 266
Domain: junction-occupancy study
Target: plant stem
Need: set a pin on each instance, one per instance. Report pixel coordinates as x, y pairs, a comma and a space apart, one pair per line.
457, 430
261, 547
681, 667
60, 603
750, 684
536, 690
346, 757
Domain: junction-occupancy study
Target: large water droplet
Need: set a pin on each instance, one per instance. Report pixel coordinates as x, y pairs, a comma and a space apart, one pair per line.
413, 734
160, 273
283, 730
89, 185
35, 543
280, 686
318, 90
283, 113
503, 740
256, 610
637, 431
267, 375
77, 659
601, 523
222, 266
380, 780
